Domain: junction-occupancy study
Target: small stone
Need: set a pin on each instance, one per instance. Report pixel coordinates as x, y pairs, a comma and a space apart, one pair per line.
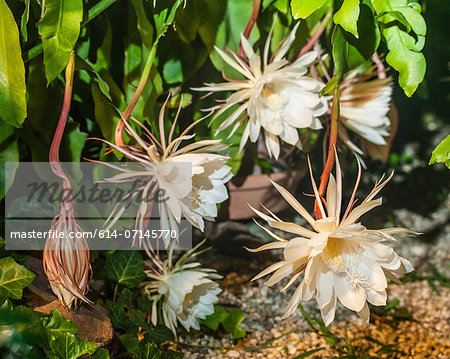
233, 354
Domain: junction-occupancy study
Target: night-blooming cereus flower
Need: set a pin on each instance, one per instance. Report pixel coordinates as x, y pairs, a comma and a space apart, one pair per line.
275, 95
186, 292
339, 257
192, 177
66, 258
364, 108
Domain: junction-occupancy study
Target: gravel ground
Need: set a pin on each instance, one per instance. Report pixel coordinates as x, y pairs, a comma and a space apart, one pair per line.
424, 335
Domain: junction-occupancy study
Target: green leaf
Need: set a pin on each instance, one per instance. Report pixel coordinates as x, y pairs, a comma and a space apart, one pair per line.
347, 16
350, 52
303, 8
13, 278
130, 342
59, 30
82, 64
404, 48
58, 325
101, 353
442, 152
125, 267
9, 152
308, 353
144, 26
116, 313
232, 321
12, 70
68, 346
24, 20
164, 15
147, 350
161, 334
212, 321
228, 35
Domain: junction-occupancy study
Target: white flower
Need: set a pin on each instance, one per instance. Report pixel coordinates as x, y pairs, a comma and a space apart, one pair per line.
364, 107
339, 258
275, 95
185, 292
192, 177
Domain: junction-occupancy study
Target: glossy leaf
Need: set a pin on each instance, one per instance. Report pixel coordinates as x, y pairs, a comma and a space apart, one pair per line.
404, 48
13, 278
348, 51
125, 267
212, 321
68, 346
301, 9
12, 70
442, 152
59, 30
24, 20
347, 16
57, 325
232, 321
9, 152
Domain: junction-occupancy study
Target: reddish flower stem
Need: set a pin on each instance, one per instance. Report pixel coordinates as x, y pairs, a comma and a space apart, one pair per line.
132, 104
315, 37
331, 148
251, 23
57, 137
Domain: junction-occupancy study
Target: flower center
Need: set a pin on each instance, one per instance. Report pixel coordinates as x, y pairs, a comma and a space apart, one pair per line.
269, 93
332, 256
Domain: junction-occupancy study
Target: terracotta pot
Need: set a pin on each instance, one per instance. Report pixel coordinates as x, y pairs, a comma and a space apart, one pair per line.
256, 190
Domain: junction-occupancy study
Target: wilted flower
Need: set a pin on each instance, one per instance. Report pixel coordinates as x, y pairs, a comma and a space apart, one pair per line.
339, 258
193, 177
185, 292
364, 107
275, 95
66, 258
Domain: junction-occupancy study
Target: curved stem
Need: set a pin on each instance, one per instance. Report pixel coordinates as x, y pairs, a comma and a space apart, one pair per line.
57, 137
331, 148
142, 82
251, 23
315, 37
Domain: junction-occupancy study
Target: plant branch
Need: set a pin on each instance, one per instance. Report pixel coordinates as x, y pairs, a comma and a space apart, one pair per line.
251, 23
331, 148
132, 104
315, 37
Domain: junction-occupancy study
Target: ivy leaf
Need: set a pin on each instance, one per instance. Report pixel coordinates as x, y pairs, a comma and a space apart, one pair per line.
58, 325
130, 342
125, 267
116, 313
101, 353
13, 109
442, 152
68, 346
147, 350
347, 16
161, 334
59, 29
404, 48
232, 321
212, 321
303, 8
13, 278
